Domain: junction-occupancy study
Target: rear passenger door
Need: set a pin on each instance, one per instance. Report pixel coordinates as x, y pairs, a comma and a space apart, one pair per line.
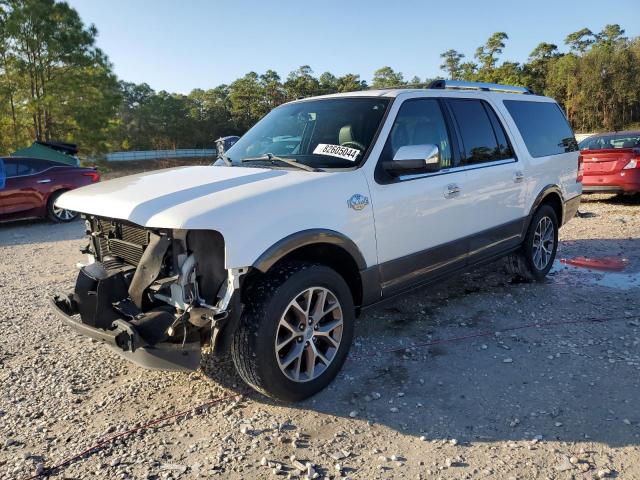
495, 187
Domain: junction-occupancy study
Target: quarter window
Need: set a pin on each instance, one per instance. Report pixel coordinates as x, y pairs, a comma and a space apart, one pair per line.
420, 122
483, 137
543, 127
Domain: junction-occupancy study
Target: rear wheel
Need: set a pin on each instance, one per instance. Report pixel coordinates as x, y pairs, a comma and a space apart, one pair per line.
535, 259
57, 214
295, 331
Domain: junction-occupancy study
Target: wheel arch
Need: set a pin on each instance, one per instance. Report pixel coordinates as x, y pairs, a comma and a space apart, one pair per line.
552, 196
56, 191
324, 246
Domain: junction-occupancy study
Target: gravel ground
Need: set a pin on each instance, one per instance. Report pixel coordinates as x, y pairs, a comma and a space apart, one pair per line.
558, 401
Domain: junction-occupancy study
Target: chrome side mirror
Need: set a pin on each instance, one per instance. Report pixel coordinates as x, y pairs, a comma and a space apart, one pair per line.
414, 159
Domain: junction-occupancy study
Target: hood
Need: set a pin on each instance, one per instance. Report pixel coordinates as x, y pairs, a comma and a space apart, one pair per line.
170, 198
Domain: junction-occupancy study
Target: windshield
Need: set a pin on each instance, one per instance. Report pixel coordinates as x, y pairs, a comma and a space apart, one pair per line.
329, 133
611, 141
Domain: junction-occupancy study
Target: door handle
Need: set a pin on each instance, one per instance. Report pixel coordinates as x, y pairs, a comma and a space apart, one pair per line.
44, 180
452, 190
518, 176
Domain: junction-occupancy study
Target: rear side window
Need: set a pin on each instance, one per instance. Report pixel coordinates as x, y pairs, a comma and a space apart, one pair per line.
543, 127
483, 137
10, 167
31, 166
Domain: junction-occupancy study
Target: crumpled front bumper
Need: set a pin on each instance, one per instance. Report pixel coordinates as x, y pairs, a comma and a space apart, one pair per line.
125, 340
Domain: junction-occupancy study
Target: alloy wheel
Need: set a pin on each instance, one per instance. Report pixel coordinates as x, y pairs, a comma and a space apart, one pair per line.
62, 214
309, 334
543, 243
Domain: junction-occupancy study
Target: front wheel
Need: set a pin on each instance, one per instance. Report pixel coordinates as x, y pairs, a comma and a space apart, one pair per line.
295, 331
535, 258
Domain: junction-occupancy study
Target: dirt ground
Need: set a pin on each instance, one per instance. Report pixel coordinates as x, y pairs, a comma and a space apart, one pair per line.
477, 377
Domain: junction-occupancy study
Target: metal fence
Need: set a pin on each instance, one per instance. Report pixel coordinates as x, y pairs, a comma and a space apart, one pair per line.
160, 154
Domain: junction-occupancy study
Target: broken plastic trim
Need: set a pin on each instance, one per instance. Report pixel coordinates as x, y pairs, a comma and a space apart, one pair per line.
162, 356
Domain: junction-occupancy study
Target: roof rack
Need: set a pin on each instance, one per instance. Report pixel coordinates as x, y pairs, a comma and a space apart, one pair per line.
485, 87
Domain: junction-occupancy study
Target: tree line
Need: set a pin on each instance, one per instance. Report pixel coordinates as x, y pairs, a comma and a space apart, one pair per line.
55, 84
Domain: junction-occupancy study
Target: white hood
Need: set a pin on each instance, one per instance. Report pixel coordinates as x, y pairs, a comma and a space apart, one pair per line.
172, 197
253, 208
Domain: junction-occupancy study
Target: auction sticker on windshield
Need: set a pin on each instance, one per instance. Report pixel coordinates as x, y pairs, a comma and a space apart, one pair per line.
345, 153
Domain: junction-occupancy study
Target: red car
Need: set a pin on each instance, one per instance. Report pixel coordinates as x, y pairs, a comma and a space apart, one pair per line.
29, 187
611, 162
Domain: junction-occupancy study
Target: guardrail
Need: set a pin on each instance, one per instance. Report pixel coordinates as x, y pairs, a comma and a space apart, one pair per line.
160, 154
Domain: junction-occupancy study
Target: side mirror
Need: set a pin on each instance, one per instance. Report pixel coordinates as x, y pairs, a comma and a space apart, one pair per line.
225, 143
412, 159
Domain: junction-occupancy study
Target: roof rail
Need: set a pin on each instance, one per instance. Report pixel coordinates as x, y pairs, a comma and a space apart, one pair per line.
405, 86
486, 87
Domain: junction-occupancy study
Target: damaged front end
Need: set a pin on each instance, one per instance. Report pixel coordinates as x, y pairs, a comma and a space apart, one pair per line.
157, 297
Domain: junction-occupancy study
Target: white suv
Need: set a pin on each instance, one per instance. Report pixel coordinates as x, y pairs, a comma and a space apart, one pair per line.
326, 206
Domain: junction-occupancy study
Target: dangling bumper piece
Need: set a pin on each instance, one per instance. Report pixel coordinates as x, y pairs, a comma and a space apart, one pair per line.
124, 338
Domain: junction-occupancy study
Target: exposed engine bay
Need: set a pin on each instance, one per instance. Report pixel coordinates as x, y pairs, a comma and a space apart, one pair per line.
165, 292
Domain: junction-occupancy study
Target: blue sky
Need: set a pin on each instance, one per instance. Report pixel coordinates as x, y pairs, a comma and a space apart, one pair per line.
180, 45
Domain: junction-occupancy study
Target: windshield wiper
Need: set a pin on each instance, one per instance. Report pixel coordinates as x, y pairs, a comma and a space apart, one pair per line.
269, 157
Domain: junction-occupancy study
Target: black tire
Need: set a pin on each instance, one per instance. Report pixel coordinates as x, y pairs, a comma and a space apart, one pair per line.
59, 215
253, 344
522, 263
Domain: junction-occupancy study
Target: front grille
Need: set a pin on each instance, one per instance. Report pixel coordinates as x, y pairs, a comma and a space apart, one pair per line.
116, 239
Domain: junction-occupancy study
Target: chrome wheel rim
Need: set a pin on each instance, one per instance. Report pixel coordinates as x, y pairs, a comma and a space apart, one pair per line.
543, 243
63, 214
309, 334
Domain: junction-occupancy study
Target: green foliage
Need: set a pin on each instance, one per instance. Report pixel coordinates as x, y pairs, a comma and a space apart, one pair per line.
55, 84
580, 41
596, 82
451, 64
386, 77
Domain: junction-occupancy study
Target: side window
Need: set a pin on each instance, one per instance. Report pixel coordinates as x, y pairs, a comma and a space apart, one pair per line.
420, 122
504, 147
483, 137
22, 168
31, 166
11, 167
543, 127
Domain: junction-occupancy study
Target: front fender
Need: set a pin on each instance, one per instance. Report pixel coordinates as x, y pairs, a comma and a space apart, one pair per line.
260, 228
308, 237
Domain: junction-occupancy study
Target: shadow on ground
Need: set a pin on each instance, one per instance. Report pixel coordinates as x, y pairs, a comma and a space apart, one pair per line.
612, 199
576, 382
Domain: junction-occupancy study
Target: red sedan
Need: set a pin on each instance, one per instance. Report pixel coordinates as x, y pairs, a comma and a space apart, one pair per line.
29, 187
611, 162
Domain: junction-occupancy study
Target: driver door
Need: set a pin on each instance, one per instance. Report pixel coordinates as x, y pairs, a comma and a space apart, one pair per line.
420, 219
